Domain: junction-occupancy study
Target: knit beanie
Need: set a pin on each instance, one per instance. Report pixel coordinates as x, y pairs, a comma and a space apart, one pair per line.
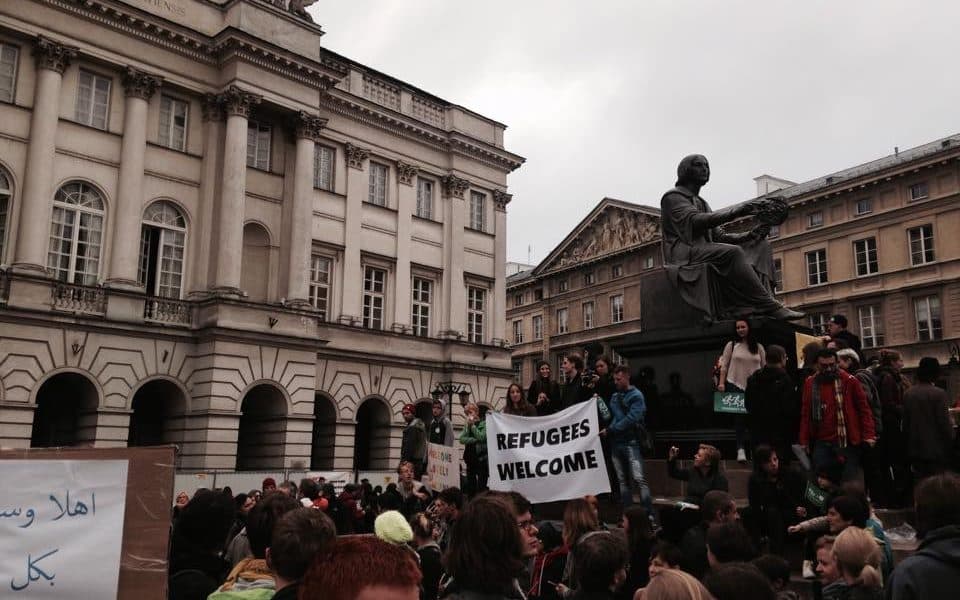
392, 527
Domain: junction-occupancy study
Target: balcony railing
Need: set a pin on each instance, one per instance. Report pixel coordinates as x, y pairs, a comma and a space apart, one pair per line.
79, 298
167, 311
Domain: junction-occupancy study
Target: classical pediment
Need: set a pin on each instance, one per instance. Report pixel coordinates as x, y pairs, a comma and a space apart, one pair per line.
614, 226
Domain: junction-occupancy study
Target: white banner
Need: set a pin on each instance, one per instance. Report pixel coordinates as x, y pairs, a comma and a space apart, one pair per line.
556, 457
61, 526
443, 466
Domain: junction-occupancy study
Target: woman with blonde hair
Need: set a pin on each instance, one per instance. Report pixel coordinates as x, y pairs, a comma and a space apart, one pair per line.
579, 520
673, 584
858, 560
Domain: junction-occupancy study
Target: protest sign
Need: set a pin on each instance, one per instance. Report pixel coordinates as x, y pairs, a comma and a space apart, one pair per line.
108, 540
730, 403
802, 340
443, 466
61, 523
556, 457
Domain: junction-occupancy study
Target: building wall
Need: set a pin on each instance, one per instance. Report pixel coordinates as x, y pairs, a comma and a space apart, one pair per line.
242, 326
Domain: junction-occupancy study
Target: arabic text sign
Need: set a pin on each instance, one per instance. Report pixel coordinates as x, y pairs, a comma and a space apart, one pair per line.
556, 457
443, 466
61, 526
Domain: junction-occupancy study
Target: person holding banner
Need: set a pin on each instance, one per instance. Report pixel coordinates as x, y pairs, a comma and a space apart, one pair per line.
628, 408
742, 357
576, 389
544, 392
516, 404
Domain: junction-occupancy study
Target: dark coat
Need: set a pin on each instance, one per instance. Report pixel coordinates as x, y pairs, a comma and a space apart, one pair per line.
784, 494
933, 571
693, 551
432, 570
413, 446
574, 392
551, 389
773, 406
927, 424
698, 484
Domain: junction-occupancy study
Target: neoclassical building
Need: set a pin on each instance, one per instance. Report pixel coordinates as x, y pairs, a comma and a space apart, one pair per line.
217, 233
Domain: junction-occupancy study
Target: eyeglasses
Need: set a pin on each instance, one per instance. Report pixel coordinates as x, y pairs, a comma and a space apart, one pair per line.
527, 525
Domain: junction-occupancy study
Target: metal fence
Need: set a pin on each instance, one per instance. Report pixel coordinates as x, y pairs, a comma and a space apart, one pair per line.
244, 481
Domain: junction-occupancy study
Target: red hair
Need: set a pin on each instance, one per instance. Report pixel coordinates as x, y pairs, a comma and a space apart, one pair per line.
355, 562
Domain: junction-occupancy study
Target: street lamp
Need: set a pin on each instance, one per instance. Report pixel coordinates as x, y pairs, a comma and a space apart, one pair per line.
448, 389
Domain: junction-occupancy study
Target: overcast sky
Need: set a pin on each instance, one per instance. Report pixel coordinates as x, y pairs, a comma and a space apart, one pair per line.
603, 98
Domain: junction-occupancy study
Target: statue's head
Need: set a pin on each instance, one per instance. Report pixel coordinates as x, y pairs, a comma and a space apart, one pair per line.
693, 169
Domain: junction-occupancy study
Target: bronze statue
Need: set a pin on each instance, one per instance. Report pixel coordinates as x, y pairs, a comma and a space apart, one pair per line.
725, 275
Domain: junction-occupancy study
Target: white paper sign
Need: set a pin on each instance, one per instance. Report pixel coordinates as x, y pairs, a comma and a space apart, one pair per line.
443, 466
556, 457
61, 525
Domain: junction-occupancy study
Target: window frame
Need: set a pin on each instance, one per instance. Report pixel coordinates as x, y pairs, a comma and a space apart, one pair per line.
89, 120
813, 223
916, 186
924, 250
822, 277
371, 295
930, 302
425, 200
476, 313
518, 331
818, 322
868, 202
171, 127
537, 327
616, 308
377, 185
15, 72
73, 256
865, 254
774, 232
563, 285
315, 285
166, 230
871, 325
590, 278
261, 131
563, 321
648, 262
6, 202
318, 175
777, 275
478, 211
616, 271
589, 320
421, 317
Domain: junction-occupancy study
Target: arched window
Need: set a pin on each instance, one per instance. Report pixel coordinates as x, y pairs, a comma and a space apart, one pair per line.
6, 191
162, 238
76, 234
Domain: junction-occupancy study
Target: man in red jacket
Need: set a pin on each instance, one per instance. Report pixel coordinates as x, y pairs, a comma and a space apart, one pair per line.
835, 418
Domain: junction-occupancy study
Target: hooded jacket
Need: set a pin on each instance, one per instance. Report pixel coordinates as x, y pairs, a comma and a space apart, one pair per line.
933, 571
773, 405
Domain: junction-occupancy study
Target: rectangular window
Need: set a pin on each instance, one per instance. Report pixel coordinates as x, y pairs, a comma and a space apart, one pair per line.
518, 299
929, 325
422, 297
815, 219
921, 245
818, 322
4, 207
919, 191
378, 184
871, 326
616, 271
8, 72
561, 320
320, 284
561, 377
374, 284
774, 232
616, 308
93, 99
562, 285
647, 262
864, 206
477, 210
424, 198
258, 145
588, 315
323, 161
817, 267
538, 295
476, 301
517, 371
865, 255
518, 332
173, 123
589, 278
777, 275
538, 327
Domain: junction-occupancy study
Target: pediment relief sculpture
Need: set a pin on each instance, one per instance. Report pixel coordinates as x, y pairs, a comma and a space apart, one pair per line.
613, 230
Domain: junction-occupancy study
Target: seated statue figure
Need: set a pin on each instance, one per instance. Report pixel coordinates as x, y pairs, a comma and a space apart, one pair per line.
724, 275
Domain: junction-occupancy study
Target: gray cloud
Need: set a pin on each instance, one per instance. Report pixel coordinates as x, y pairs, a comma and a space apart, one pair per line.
604, 98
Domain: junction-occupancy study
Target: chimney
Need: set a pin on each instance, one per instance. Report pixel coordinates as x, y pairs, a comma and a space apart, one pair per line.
896, 150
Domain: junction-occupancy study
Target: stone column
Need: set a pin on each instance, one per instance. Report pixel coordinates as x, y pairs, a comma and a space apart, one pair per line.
201, 274
406, 204
233, 188
125, 250
499, 316
308, 128
357, 188
454, 289
37, 198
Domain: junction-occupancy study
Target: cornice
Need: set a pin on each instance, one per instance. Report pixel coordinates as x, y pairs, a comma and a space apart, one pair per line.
234, 45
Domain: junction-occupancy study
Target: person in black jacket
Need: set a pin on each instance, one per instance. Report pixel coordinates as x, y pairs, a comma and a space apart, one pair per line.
776, 499
429, 552
575, 390
298, 536
544, 392
773, 404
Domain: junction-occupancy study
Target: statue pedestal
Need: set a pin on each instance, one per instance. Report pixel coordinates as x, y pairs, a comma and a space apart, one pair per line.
682, 346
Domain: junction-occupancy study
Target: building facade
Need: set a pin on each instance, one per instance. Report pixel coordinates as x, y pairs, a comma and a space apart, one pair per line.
876, 243
217, 233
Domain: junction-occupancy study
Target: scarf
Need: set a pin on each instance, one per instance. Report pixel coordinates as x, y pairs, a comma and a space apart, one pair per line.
250, 569
817, 408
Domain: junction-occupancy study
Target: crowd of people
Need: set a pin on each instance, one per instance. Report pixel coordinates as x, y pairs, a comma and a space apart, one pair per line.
867, 438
